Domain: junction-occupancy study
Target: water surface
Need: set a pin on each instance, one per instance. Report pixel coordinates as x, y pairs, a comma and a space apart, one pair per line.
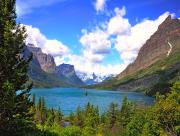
68, 99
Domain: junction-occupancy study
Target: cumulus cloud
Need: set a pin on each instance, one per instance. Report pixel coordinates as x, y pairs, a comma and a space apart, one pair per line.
96, 44
53, 47
117, 31
129, 44
27, 6
83, 65
100, 5
118, 24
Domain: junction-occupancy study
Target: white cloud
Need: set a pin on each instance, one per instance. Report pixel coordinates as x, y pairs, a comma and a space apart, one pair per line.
127, 39
116, 31
60, 60
100, 5
27, 6
96, 41
118, 24
128, 45
82, 64
96, 45
53, 47
92, 58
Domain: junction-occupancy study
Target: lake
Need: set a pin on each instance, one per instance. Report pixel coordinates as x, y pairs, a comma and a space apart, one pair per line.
68, 99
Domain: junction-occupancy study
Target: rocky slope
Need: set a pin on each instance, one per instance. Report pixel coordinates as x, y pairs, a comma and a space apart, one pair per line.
44, 73
46, 61
67, 72
163, 43
157, 65
39, 77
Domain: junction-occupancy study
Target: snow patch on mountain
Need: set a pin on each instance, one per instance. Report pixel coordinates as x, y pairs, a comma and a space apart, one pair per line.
91, 79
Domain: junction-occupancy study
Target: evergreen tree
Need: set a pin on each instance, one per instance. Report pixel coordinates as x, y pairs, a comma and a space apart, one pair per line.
39, 104
126, 112
51, 117
58, 117
43, 110
79, 117
112, 114
14, 104
34, 100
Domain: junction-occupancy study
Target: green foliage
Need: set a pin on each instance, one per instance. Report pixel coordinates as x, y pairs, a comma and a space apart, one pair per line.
71, 131
135, 126
167, 69
112, 114
15, 116
160, 119
42, 79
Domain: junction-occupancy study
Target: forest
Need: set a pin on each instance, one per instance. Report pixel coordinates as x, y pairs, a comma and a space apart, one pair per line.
131, 119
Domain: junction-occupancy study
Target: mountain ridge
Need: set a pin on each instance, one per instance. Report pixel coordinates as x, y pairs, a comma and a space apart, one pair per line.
155, 48
43, 70
157, 65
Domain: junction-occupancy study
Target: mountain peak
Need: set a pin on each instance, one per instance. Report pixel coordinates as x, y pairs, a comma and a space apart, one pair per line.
46, 61
157, 47
67, 72
30, 45
65, 68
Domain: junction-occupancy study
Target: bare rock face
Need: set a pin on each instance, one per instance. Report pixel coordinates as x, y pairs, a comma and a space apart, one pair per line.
165, 41
46, 61
67, 72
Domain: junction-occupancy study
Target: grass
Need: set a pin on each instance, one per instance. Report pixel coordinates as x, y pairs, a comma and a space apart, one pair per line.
160, 68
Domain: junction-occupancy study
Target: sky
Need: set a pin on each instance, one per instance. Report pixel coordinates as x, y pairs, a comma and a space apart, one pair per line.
96, 36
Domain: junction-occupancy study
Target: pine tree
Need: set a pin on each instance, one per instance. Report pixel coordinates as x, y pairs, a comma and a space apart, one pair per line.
34, 100
79, 116
112, 114
51, 118
58, 117
14, 104
43, 110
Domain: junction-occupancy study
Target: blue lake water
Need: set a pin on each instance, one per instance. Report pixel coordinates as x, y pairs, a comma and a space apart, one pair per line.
68, 99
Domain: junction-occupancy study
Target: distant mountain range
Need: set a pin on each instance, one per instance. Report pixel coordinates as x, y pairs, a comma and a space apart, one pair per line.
91, 79
44, 72
67, 73
157, 65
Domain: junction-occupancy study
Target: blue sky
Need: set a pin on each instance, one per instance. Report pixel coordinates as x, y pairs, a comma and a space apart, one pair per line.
94, 35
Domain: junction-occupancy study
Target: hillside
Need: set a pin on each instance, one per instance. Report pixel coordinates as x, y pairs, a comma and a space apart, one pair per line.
157, 65
67, 73
44, 73
39, 77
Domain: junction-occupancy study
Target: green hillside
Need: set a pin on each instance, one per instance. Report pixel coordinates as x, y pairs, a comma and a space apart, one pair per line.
168, 71
42, 79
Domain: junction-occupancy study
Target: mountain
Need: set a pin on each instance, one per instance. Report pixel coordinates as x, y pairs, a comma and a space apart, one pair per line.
39, 77
157, 65
44, 73
46, 61
67, 72
91, 79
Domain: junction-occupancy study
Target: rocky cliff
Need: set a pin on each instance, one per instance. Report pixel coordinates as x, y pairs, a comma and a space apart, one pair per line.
46, 61
39, 77
67, 72
157, 65
44, 73
164, 42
